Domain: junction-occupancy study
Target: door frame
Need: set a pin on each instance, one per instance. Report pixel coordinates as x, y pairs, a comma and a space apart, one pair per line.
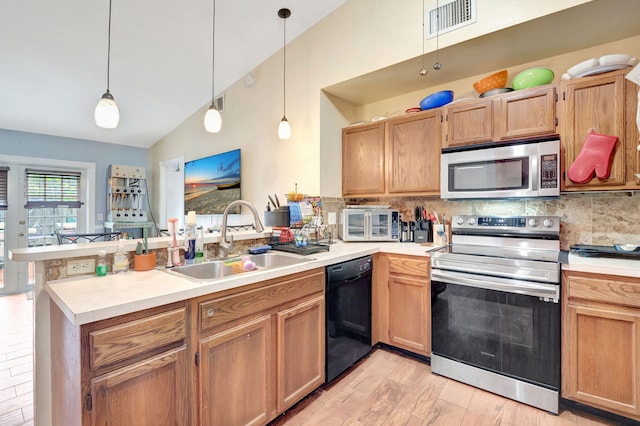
16, 273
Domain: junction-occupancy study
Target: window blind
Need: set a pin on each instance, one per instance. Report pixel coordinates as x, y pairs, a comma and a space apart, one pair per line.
52, 189
4, 202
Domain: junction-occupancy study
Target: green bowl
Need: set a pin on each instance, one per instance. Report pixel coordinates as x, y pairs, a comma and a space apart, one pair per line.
532, 77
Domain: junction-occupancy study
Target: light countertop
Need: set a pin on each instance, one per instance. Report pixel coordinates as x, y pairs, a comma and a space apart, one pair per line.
91, 298
603, 265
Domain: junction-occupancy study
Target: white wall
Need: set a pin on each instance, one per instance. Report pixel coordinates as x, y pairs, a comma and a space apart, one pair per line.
359, 37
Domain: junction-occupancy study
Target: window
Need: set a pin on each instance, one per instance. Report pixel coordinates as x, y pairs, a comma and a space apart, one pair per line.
53, 189
53, 200
4, 204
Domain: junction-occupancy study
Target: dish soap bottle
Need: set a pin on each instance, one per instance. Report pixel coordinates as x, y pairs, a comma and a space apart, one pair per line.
120, 258
101, 264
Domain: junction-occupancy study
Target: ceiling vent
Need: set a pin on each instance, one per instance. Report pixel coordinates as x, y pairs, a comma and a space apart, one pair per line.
453, 15
219, 103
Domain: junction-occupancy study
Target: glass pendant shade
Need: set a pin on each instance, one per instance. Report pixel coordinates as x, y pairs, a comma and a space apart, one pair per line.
107, 114
212, 120
284, 129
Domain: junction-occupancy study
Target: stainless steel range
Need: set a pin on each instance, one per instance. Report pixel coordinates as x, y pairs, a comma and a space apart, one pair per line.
495, 307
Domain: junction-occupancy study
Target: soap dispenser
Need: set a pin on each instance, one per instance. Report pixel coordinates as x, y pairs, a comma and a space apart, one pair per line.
120, 258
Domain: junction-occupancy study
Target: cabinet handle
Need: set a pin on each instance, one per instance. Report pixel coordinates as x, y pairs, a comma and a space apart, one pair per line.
209, 312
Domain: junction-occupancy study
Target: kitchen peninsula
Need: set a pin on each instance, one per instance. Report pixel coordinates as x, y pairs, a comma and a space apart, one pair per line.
151, 303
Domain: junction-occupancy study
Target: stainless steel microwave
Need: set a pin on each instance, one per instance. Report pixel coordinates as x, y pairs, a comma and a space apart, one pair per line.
519, 169
369, 224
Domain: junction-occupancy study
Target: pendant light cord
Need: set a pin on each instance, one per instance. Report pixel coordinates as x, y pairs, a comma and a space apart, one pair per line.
422, 35
109, 47
213, 54
284, 68
437, 31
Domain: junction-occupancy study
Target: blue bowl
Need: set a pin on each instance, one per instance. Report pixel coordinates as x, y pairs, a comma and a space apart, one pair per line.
436, 100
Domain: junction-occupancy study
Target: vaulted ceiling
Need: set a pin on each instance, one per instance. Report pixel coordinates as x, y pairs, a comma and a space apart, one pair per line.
53, 60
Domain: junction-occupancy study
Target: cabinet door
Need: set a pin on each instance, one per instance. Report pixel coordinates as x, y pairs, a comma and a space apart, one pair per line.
151, 392
300, 351
525, 113
601, 357
363, 159
410, 314
236, 375
414, 153
468, 123
594, 103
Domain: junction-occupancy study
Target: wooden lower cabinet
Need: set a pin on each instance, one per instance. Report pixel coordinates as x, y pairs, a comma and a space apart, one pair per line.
237, 357
601, 342
131, 369
300, 341
261, 350
151, 392
236, 375
402, 308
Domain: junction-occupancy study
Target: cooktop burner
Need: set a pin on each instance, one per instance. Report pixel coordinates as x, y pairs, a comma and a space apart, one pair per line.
617, 250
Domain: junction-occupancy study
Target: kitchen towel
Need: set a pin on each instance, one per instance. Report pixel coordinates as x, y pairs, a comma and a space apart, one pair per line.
594, 157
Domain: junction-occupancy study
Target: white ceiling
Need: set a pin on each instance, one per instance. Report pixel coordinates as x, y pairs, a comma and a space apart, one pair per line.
53, 60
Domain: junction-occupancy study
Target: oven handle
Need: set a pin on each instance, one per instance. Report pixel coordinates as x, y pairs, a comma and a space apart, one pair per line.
526, 288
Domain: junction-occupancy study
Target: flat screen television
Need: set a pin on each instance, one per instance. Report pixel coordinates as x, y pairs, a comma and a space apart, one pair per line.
211, 183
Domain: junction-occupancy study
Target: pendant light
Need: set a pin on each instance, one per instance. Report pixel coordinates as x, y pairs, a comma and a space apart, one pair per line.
284, 128
106, 114
212, 119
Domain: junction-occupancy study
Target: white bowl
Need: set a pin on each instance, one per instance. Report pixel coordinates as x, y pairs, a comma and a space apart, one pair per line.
618, 58
582, 66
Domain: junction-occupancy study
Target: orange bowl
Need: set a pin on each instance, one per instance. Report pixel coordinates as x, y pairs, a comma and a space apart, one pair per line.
494, 81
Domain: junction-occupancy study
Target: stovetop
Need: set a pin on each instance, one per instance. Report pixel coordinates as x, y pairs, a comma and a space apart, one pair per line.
617, 250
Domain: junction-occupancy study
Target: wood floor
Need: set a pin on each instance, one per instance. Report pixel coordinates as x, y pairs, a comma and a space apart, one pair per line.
16, 360
391, 389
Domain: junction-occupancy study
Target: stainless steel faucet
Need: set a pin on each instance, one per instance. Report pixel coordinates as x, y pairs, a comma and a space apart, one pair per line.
225, 247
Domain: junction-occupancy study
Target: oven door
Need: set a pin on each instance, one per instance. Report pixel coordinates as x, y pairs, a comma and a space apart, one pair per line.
498, 324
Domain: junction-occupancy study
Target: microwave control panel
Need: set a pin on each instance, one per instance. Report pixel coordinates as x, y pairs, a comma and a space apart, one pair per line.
549, 171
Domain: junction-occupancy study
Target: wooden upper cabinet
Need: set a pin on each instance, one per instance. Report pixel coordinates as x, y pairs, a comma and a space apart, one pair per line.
594, 103
363, 151
520, 114
468, 122
526, 113
413, 153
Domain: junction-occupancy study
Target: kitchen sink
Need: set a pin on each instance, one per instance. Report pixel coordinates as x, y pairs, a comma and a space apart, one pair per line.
223, 268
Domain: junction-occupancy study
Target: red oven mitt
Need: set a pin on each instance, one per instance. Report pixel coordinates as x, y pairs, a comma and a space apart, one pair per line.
595, 156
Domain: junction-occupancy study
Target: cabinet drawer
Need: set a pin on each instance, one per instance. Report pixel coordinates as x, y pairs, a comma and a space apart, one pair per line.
608, 289
124, 341
225, 309
417, 266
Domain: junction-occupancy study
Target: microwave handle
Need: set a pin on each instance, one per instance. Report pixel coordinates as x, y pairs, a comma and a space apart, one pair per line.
535, 172
367, 224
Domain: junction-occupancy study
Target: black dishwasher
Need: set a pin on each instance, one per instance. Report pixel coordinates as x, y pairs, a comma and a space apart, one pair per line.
348, 314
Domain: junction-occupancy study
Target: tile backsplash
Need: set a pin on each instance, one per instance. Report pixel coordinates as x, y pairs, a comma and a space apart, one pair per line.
602, 218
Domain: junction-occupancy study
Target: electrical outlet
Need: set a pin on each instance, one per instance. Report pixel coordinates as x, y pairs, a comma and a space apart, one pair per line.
331, 217
81, 266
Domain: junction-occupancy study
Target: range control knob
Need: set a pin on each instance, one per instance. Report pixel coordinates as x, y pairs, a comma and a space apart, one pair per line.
548, 223
471, 221
533, 222
460, 221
